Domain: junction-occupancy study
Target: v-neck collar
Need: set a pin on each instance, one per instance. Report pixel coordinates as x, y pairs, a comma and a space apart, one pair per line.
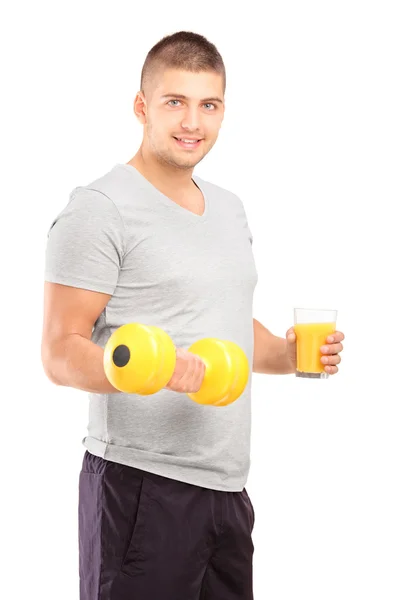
168, 201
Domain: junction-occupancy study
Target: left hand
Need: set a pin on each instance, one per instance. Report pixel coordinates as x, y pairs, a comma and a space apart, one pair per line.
330, 352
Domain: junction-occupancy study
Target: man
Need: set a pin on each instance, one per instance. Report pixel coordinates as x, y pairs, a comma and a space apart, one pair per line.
163, 509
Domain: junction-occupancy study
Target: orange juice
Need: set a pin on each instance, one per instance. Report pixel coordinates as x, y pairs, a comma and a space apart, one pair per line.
310, 338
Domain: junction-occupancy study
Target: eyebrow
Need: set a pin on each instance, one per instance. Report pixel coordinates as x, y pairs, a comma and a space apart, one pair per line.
215, 99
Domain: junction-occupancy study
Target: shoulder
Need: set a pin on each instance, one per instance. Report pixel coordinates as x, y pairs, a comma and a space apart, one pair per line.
88, 206
100, 195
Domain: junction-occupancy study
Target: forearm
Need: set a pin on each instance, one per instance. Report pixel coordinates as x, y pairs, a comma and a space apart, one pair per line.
74, 361
270, 352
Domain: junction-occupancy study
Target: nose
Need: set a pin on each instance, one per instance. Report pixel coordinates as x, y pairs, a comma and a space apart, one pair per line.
191, 119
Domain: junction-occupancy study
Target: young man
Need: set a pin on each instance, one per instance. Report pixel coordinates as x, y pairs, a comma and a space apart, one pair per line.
163, 509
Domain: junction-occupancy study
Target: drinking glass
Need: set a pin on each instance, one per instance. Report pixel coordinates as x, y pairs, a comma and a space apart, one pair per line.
312, 326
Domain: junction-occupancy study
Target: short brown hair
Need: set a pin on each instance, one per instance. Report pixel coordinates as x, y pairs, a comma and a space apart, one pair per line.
182, 50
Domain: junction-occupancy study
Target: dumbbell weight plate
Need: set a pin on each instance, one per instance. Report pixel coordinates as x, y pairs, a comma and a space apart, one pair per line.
239, 373
139, 359
226, 371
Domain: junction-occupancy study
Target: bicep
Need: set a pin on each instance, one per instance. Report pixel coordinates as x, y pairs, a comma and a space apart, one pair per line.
70, 310
82, 263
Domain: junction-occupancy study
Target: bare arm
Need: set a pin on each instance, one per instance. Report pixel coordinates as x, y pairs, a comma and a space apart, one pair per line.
69, 357
270, 352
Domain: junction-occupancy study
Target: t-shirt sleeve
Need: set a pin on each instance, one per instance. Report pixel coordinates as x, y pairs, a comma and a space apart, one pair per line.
85, 243
249, 233
244, 219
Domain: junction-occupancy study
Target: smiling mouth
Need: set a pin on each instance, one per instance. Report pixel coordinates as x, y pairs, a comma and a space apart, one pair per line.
188, 143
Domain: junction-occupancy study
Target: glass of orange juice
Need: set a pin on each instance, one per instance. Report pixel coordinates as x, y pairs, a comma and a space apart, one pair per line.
312, 326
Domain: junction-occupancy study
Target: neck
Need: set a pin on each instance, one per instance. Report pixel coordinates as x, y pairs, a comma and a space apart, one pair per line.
162, 175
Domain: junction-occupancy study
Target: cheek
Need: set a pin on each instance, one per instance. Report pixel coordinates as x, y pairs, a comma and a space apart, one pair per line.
165, 121
158, 122
160, 134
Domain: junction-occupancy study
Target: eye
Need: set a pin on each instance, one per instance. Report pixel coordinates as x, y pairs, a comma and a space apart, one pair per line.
173, 101
210, 104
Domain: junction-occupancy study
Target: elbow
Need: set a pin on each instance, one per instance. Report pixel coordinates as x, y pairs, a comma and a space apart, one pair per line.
48, 365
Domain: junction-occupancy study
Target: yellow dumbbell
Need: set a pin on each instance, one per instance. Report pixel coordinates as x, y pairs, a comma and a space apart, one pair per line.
141, 359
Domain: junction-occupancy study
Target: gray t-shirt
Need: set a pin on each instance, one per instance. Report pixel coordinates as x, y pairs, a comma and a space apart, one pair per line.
193, 276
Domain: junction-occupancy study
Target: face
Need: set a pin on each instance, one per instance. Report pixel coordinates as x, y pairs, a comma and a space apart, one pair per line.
181, 105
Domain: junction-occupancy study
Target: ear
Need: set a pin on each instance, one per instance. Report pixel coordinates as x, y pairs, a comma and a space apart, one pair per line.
140, 107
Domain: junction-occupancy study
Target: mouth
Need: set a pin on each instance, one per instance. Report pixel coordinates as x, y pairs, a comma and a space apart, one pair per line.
187, 143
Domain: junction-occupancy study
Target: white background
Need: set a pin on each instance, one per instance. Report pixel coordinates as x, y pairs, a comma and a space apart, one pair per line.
310, 142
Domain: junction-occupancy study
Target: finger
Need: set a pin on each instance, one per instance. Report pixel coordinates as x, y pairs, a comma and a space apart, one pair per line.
332, 349
174, 382
181, 367
331, 370
331, 360
191, 372
337, 336
196, 380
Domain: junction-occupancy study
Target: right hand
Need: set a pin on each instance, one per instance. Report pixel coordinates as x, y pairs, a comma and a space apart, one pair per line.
188, 374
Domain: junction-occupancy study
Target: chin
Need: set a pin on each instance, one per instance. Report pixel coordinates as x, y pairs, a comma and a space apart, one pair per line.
191, 164
181, 163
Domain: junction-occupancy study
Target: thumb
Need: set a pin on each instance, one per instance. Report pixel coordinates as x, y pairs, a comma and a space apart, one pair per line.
291, 336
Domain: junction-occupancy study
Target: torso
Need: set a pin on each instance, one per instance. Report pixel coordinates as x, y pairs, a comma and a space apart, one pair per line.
194, 277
